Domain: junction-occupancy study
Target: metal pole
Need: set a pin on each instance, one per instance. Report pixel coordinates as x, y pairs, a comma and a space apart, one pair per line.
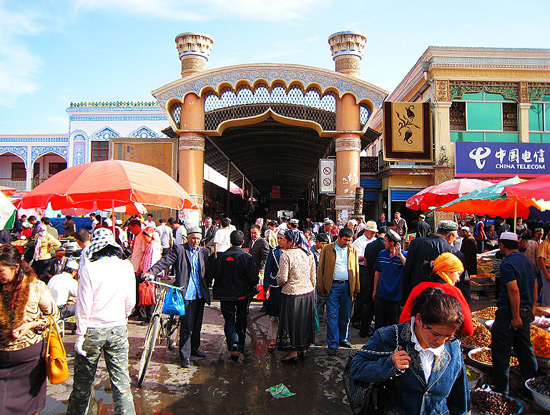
228, 186
515, 214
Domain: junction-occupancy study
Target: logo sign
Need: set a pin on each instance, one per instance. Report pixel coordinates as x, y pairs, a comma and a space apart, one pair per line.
327, 175
502, 159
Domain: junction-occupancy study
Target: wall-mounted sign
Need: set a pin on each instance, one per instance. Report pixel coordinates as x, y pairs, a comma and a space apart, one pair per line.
275, 191
502, 159
327, 175
408, 131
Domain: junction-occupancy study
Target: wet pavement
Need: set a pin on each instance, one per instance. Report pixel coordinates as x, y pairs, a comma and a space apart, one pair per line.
216, 384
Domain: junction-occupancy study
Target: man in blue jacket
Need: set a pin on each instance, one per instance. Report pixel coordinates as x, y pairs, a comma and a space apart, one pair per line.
235, 284
190, 263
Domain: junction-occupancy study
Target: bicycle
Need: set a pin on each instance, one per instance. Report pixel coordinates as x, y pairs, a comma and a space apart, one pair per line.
157, 325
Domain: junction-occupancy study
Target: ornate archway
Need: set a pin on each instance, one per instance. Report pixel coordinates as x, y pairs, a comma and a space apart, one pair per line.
241, 100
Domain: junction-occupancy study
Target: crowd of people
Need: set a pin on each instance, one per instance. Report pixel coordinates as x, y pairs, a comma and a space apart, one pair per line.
414, 287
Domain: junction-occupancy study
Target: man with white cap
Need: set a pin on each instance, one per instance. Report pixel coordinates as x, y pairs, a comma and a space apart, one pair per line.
368, 236
428, 249
422, 228
514, 314
191, 264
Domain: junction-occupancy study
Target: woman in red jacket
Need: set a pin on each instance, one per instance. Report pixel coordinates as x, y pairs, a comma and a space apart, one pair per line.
443, 273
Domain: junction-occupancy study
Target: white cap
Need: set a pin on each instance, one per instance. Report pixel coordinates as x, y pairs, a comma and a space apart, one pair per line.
510, 236
465, 228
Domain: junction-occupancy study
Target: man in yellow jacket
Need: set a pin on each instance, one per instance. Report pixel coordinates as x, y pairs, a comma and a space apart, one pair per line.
338, 279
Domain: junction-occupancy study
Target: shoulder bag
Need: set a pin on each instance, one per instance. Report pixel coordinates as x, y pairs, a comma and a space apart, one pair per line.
56, 357
367, 398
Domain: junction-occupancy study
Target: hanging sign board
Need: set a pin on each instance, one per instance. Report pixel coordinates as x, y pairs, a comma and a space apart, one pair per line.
327, 176
502, 159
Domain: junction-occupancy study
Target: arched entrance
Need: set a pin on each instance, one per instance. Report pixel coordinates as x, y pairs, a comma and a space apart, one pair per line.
271, 122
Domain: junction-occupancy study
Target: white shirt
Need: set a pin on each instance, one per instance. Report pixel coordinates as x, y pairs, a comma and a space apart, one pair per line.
62, 285
181, 235
427, 355
165, 234
106, 294
149, 223
341, 272
222, 239
360, 243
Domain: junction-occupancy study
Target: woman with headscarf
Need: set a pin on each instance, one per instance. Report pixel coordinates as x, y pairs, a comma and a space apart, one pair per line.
442, 273
44, 246
106, 297
25, 302
297, 279
272, 289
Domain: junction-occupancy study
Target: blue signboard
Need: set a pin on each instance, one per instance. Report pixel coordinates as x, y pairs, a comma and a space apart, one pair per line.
502, 159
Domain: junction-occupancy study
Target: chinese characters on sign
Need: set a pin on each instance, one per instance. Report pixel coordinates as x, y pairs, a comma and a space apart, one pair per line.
502, 159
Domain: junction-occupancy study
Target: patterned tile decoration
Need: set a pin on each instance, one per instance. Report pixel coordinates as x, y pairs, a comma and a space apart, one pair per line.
117, 117
20, 151
39, 151
143, 132
79, 152
104, 134
307, 76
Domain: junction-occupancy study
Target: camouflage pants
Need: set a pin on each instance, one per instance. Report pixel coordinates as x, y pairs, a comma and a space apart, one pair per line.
113, 342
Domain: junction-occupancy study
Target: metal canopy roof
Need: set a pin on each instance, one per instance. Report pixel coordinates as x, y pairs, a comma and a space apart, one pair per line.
269, 153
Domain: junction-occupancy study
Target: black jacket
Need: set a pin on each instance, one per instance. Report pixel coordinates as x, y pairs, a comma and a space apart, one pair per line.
420, 250
51, 269
259, 252
423, 229
180, 258
208, 237
236, 275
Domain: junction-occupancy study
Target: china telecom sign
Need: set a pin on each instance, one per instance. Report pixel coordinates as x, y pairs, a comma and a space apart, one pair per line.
502, 159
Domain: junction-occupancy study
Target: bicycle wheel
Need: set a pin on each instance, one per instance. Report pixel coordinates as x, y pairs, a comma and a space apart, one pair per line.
148, 347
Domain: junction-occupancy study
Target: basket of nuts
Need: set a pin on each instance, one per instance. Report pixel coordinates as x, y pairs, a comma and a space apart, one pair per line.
540, 388
480, 338
493, 403
485, 314
484, 356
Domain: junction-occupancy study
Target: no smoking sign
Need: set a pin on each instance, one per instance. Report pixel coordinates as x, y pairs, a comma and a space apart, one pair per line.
327, 171
327, 182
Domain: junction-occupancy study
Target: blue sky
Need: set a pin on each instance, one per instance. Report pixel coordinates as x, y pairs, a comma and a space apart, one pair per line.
53, 52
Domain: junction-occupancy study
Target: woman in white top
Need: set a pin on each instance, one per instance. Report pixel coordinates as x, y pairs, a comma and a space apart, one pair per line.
106, 297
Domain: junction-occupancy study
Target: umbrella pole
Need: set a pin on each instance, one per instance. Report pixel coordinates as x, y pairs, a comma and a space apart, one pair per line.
112, 221
515, 214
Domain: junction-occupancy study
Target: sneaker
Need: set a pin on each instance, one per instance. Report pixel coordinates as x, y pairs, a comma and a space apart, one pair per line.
185, 363
346, 344
235, 352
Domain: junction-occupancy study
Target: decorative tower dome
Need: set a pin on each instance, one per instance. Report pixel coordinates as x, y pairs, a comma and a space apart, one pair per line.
194, 51
347, 51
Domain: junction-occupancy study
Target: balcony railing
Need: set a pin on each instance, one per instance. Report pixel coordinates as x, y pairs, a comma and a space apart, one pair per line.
19, 184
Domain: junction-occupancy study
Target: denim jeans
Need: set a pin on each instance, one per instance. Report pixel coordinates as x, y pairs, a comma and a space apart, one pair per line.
113, 342
503, 339
338, 305
236, 320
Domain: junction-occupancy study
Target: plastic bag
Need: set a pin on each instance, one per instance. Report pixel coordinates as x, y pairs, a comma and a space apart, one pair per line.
280, 391
147, 294
173, 303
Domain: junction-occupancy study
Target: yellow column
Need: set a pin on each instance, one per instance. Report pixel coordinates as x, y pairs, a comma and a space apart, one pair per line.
443, 148
523, 122
348, 147
442, 133
191, 153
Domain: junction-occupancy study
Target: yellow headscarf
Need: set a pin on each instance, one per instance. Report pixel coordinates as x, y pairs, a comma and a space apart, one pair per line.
445, 264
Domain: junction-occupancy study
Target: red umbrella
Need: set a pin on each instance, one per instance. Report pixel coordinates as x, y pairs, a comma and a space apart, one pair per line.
443, 193
538, 189
106, 185
8, 191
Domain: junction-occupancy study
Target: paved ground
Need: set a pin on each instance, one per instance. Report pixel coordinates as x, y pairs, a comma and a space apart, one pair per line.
217, 385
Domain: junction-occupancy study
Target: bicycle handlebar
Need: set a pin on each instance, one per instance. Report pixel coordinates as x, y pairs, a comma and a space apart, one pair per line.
164, 285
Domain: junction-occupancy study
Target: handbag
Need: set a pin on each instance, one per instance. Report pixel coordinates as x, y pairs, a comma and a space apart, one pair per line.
173, 303
366, 398
147, 294
56, 357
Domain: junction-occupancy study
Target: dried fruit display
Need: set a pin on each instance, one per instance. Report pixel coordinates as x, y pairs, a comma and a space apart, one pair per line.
541, 385
480, 338
485, 356
488, 313
493, 403
541, 343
